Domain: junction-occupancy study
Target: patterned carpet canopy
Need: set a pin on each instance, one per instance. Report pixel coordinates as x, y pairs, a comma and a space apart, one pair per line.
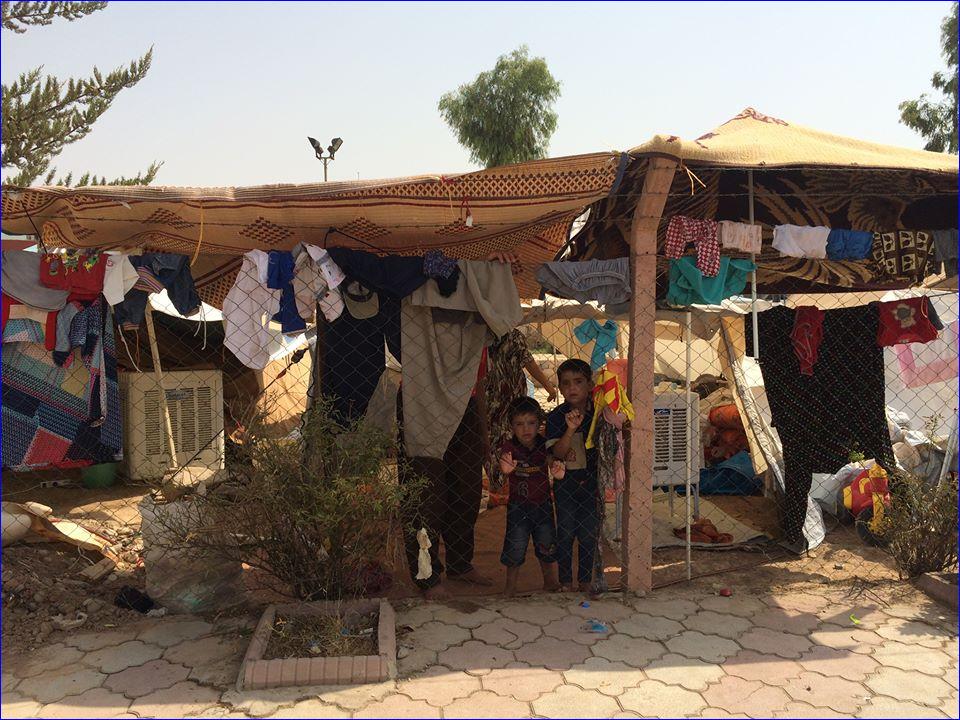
526, 208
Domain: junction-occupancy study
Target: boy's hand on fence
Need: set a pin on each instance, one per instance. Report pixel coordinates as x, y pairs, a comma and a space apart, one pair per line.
507, 258
574, 419
507, 463
557, 469
551, 393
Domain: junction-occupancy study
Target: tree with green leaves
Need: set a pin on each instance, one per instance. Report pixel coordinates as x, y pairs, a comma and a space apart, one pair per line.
44, 114
935, 120
506, 114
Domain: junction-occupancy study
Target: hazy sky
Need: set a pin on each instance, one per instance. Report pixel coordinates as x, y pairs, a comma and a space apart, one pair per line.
235, 88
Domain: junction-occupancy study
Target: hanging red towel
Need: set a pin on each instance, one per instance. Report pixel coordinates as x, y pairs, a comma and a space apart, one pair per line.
910, 320
806, 336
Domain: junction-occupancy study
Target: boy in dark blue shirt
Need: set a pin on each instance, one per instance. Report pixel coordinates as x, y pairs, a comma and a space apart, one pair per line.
576, 494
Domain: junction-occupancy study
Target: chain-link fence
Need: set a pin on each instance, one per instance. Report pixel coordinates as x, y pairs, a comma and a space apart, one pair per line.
424, 429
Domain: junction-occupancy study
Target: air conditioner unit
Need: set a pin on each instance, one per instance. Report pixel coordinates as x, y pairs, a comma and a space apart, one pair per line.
195, 403
671, 436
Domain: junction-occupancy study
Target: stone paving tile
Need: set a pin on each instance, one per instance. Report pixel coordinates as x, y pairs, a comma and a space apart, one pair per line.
57, 684
843, 696
94, 641
743, 606
475, 657
439, 686
260, 703
609, 678
507, 633
415, 661
798, 602
453, 616
626, 714
311, 708
398, 706
485, 704
791, 621
521, 681
673, 609
9, 682
634, 652
608, 611
649, 627
222, 673
96, 703
802, 710
654, 699
710, 648
182, 699
736, 695
45, 659
573, 702
771, 642
912, 657
552, 654
568, 629
176, 630
846, 638
206, 651
712, 623
717, 713
437, 636
14, 705
415, 616
354, 697
868, 617
952, 676
903, 685
838, 663
129, 654
687, 672
951, 705
926, 609
147, 678
217, 711
913, 632
769, 669
538, 613
885, 707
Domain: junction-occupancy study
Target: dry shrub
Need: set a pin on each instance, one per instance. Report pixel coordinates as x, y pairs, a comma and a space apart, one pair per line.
317, 515
920, 526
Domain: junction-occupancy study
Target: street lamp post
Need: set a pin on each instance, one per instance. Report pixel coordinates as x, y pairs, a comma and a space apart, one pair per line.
331, 149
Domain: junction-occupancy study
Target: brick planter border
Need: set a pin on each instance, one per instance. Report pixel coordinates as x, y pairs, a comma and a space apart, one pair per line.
258, 674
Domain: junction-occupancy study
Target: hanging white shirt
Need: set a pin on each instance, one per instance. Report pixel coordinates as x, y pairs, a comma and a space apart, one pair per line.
247, 310
119, 277
801, 241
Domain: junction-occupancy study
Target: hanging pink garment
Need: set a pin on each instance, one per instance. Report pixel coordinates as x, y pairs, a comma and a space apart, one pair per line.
932, 362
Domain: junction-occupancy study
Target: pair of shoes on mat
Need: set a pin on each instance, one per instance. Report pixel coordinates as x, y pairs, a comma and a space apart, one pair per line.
704, 531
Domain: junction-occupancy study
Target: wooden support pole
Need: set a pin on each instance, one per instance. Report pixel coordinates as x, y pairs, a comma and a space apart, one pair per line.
638, 505
158, 374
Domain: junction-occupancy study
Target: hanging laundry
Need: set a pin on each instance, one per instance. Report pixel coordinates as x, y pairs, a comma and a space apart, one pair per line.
822, 418
910, 320
611, 473
82, 327
353, 357
158, 271
119, 277
45, 320
443, 341
688, 286
604, 337
316, 282
604, 281
682, 231
20, 273
47, 408
78, 272
801, 241
945, 251
280, 277
740, 236
806, 336
608, 392
443, 269
902, 255
849, 244
932, 362
246, 310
